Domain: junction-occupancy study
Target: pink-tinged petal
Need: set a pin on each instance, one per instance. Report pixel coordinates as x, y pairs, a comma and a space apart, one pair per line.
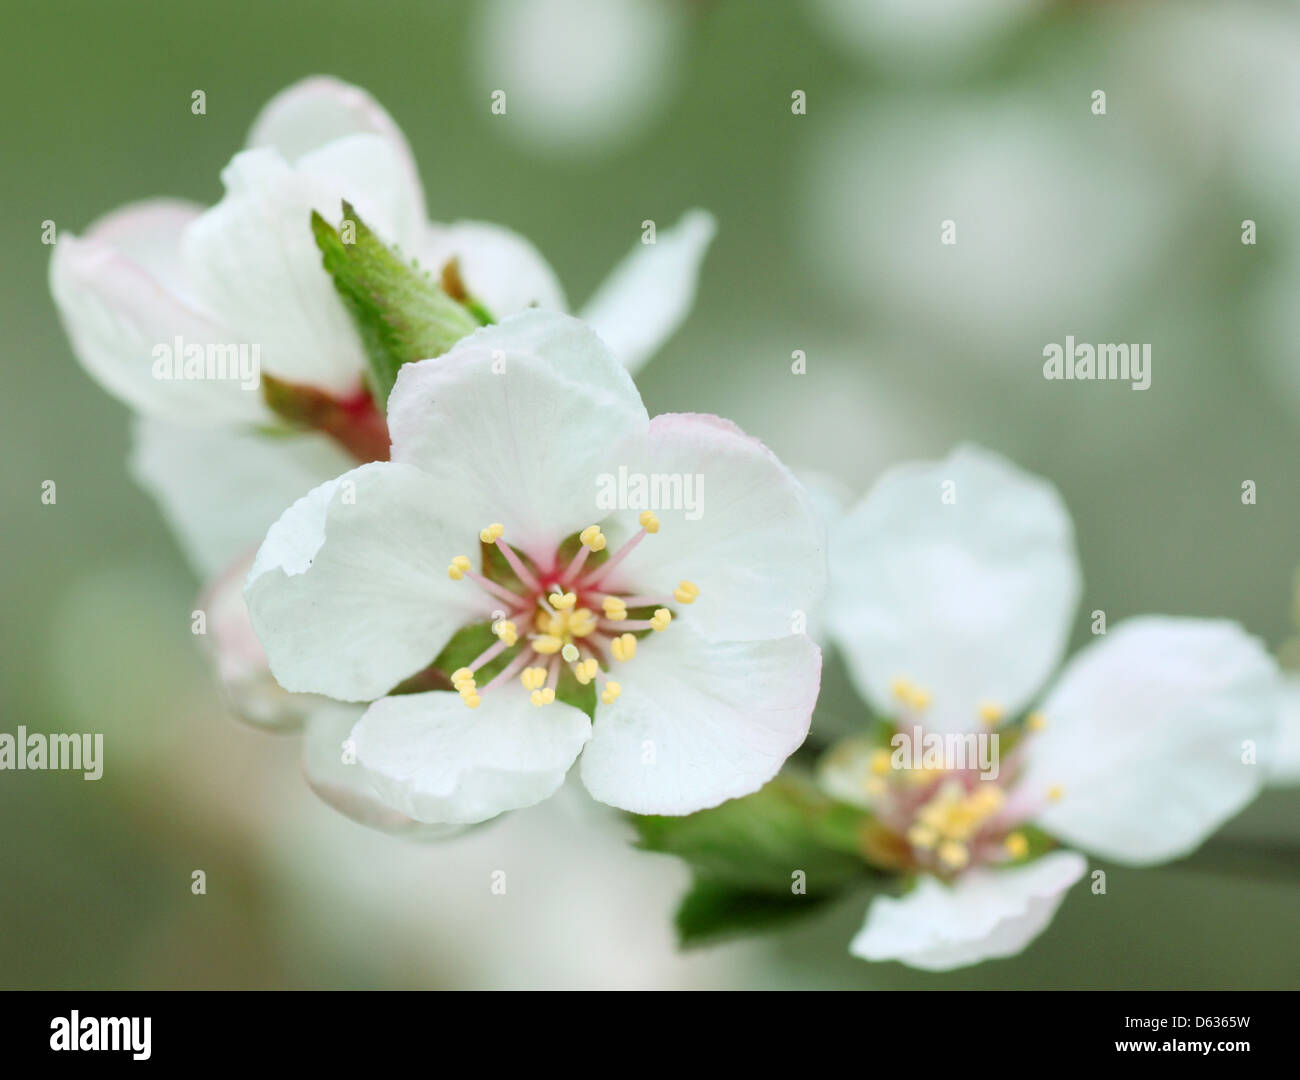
501, 269
743, 529
960, 576
349, 593
435, 760
700, 722
319, 110
649, 294
985, 914
124, 300
515, 424
1146, 736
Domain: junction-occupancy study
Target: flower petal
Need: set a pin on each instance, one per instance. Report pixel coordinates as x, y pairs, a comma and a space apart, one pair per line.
319, 110
744, 531
253, 258
970, 599
514, 425
334, 774
349, 593
500, 268
985, 914
432, 759
220, 489
121, 293
648, 295
700, 722
1144, 733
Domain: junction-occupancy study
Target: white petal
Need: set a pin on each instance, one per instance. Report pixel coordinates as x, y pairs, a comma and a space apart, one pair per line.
1145, 733
240, 661
330, 766
1284, 757
319, 110
253, 258
748, 535
700, 722
121, 294
220, 489
516, 423
970, 599
649, 294
500, 268
435, 760
349, 593
985, 914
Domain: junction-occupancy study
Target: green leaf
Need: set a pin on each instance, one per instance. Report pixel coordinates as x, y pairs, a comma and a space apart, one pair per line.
401, 313
713, 912
756, 844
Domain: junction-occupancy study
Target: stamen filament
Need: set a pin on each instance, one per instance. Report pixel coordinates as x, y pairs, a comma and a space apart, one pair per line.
600, 573
517, 565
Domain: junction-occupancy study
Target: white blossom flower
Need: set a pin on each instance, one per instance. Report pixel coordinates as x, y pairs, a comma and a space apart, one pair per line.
680, 616
247, 271
953, 589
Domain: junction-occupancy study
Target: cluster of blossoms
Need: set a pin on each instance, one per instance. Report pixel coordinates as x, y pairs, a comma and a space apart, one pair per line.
446, 596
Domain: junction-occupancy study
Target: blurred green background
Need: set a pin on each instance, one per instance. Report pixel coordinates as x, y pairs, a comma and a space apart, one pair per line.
1124, 227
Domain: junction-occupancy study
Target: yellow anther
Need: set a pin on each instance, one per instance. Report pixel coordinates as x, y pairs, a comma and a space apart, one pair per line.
458, 566
953, 855
991, 713
582, 622
1036, 721
910, 694
875, 787
585, 671
1016, 845
661, 618
686, 592
986, 800
492, 533
461, 675
533, 677
1055, 793
623, 647
649, 521
614, 607
563, 601
547, 644
570, 652
922, 836
506, 631
542, 697
473, 701
610, 694
593, 538
881, 762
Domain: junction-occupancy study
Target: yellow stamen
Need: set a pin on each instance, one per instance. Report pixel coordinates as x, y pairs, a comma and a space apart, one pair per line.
614, 607
585, 671
953, 855
623, 647
506, 631
611, 692
1036, 721
582, 622
473, 701
461, 675
922, 836
661, 618
593, 538
1016, 845
563, 601
547, 644
991, 713
1055, 793
686, 592
533, 677
542, 697
649, 521
881, 762
458, 566
492, 533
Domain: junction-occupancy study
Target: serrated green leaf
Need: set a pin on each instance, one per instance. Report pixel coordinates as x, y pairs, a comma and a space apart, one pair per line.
401, 313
